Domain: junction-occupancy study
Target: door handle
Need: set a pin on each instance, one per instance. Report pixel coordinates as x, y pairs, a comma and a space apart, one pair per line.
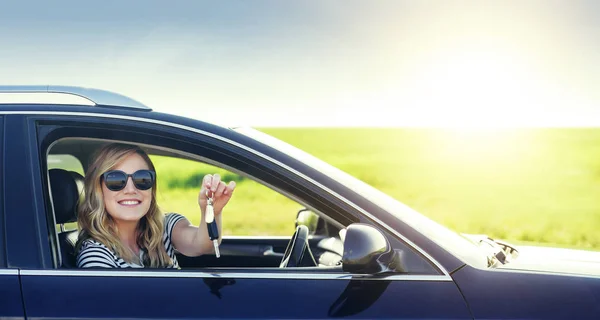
268, 251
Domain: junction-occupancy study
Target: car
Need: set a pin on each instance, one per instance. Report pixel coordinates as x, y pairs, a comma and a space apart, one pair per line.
355, 252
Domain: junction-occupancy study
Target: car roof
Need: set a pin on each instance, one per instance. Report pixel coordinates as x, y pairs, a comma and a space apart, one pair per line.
88, 101
33, 98
98, 97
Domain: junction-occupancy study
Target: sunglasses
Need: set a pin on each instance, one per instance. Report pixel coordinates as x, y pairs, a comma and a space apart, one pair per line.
116, 180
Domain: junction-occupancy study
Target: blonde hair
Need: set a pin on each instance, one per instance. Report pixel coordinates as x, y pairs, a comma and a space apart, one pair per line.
95, 223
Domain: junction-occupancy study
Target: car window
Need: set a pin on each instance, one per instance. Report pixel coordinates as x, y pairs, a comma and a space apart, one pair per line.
254, 210
65, 162
257, 222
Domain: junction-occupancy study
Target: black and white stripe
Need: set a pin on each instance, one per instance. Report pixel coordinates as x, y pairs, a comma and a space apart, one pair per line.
94, 254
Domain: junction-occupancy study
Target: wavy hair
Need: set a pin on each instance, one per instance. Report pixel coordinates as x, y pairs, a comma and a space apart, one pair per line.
95, 223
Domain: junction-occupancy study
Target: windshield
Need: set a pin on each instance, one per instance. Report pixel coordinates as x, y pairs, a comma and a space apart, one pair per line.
451, 241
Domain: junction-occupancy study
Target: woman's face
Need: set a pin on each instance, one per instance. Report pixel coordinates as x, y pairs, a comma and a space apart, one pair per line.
129, 204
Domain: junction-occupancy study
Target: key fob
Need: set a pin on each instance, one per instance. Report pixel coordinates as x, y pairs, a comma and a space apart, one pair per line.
211, 224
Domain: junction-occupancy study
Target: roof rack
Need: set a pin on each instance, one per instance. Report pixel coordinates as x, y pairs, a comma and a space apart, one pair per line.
97, 96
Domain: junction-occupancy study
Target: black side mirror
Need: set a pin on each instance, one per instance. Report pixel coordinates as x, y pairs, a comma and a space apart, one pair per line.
368, 251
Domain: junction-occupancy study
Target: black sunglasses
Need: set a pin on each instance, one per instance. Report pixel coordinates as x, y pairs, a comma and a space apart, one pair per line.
116, 180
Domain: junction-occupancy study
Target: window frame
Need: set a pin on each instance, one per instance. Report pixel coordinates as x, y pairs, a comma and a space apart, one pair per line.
210, 139
191, 156
3, 258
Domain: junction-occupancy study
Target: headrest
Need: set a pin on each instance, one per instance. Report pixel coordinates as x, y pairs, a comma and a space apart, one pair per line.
67, 188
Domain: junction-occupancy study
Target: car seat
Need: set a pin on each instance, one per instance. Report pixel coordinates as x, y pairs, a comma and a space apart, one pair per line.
67, 190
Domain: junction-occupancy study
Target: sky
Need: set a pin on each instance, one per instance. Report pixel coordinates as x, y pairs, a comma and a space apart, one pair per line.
320, 63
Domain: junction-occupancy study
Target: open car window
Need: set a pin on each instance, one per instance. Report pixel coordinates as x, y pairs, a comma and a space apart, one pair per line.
260, 222
254, 210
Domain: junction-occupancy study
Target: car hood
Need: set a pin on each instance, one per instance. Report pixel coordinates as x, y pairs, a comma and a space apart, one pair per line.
555, 260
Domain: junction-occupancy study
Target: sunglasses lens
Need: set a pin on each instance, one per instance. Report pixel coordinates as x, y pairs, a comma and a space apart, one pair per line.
143, 179
115, 180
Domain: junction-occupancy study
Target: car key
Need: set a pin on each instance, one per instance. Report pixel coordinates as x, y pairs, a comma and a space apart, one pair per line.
211, 224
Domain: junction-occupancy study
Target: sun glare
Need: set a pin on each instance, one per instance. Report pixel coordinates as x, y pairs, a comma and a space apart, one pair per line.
476, 89
479, 147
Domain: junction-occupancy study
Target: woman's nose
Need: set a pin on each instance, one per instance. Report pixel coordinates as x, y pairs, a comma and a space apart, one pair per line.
129, 186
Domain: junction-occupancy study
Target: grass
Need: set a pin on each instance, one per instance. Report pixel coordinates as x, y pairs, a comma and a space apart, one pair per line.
533, 185
529, 185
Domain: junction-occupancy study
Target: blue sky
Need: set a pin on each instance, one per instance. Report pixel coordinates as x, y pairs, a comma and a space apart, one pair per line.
320, 63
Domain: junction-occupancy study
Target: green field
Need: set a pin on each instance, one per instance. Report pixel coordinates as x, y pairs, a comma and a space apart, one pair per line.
527, 185
534, 185
538, 185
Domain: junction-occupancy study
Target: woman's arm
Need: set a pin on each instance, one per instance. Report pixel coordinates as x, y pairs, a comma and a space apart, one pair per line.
194, 241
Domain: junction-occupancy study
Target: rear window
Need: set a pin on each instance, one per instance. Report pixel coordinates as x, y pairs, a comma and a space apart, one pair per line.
66, 162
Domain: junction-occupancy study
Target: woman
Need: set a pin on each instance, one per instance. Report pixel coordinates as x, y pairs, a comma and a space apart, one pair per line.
121, 224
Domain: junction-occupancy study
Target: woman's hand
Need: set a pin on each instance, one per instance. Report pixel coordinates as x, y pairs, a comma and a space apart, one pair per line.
192, 240
221, 193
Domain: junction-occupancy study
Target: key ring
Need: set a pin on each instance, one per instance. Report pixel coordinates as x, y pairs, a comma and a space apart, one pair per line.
209, 198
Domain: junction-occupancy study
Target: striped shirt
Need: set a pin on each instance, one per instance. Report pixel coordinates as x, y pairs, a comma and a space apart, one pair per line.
94, 254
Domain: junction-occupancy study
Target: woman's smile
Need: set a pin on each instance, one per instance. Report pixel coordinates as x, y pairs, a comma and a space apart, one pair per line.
130, 202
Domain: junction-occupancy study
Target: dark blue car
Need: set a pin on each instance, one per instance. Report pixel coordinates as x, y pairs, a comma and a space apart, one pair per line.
355, 252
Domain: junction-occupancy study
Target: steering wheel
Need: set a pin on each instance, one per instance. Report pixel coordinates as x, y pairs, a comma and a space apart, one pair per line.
296, 248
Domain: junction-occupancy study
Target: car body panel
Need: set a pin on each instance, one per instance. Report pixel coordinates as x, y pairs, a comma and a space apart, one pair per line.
555, 260
11, 305
211, 295
23, 199
501, 294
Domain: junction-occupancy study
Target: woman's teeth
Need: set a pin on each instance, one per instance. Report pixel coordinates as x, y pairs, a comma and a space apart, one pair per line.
129, 202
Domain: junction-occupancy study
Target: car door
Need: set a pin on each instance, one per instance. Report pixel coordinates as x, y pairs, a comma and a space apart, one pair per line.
11, 305
210, 292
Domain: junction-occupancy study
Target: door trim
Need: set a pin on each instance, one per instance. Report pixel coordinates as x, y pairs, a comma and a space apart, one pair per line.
9, 272
232, 274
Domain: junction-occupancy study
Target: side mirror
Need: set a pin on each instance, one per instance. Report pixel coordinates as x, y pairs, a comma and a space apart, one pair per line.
368, 251
309, 219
